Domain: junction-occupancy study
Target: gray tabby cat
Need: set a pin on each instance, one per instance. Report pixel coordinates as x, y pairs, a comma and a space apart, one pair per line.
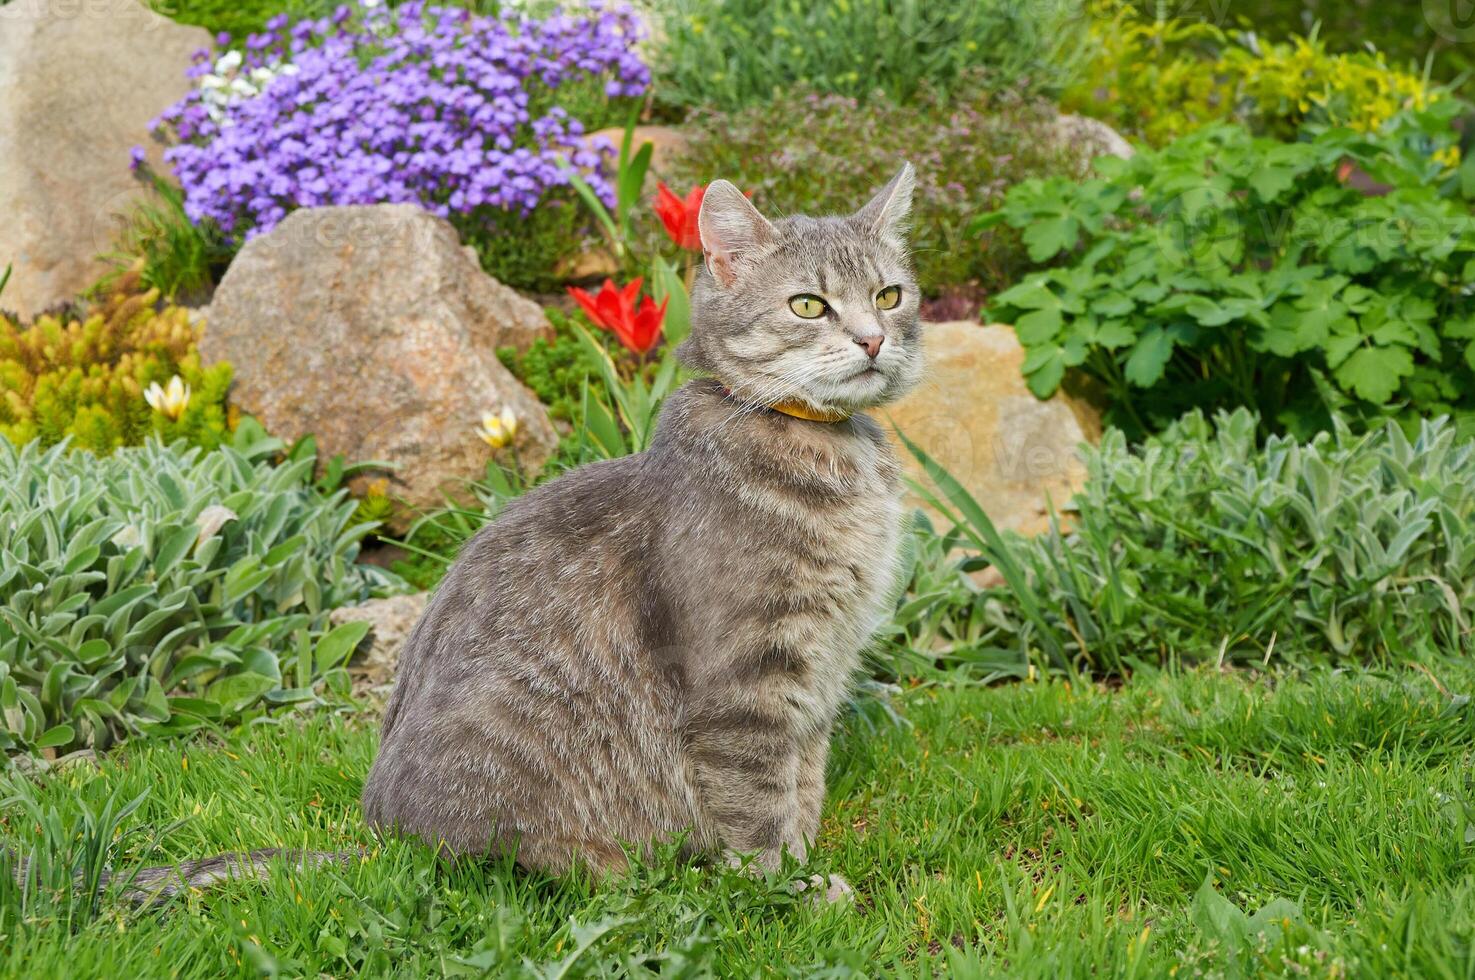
658, 645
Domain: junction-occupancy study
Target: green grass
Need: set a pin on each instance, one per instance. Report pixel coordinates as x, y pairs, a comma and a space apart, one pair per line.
1034, 829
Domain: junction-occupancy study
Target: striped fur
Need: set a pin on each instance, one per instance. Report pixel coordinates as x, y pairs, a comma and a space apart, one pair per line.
656, 647
156, 885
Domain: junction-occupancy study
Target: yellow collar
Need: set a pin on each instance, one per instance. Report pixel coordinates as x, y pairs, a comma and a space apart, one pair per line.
801, 410
792, 407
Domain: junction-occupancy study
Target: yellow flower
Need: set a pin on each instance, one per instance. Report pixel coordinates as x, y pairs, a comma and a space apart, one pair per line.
170, 400
498, 430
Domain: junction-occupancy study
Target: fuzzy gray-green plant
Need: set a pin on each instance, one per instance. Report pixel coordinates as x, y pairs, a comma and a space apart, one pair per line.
162, 588
1202, 545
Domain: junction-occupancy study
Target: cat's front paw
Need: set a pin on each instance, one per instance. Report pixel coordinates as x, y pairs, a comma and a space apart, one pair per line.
830, 888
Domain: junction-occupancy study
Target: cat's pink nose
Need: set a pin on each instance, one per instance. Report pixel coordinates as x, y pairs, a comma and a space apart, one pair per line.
872, 344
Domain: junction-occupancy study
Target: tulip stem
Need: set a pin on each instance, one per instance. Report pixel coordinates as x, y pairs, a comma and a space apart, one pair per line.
522, 480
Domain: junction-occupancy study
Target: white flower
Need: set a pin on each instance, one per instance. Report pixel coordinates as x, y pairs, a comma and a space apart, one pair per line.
229, 61
498, 430
171, 400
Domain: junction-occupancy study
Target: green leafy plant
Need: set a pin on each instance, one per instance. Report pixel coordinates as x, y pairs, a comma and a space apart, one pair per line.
1276, 929
556, 370
238, 18
86, 379
940, 626
164, 588
667, 285
826, 154
630, 169
375, 506
1416, 34
1202, 546
1158, 79
242, 18
626, 422
180, 258
531, 251
1228, 270
744, 52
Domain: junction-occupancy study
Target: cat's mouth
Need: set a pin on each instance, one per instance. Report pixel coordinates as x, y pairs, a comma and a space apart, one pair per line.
861, 388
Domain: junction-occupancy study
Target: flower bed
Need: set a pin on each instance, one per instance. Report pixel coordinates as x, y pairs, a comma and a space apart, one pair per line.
464, 115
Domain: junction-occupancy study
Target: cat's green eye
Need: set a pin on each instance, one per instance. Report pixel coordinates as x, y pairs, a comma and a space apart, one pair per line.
888, 297
809, 307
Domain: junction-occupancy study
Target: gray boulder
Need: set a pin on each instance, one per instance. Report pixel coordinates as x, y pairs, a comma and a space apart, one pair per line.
79, 84
371, 329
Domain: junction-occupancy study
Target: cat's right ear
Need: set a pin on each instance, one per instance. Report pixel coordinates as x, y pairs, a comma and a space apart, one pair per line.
730, 228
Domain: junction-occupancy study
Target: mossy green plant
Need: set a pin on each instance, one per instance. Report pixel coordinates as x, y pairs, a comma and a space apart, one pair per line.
83, 378
556, 370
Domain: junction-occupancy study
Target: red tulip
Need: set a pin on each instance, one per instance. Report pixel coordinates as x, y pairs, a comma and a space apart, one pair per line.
637, 327
680, 217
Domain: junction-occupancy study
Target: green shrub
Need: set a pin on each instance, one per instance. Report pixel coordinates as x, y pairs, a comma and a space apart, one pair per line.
555, 370
1201, 546
164, 588
1408, 33
181, 259
1225, 270
238, 18
1156, 80
733, 53
84, 380
820, 154
241, 18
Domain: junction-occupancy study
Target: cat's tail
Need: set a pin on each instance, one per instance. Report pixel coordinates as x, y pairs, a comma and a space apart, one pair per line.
156, 885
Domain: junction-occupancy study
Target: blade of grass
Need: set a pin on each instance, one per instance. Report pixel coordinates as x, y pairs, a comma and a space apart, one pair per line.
986, 537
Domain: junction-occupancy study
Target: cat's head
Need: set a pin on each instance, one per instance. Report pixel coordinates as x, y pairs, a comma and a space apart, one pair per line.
822, 310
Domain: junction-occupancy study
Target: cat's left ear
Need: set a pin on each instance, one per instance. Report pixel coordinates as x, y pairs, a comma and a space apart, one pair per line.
886, 214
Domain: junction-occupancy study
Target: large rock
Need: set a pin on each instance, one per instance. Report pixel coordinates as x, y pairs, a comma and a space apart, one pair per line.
972, 413
79, 83
371, 329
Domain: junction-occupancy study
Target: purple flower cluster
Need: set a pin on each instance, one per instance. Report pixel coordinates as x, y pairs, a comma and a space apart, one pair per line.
420, 104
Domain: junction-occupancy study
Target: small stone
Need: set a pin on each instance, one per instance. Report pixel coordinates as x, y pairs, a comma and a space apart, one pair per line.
1090, 138
666, 142
390, 622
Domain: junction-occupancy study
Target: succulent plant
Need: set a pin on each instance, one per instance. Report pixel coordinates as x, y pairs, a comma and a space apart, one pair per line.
84, 378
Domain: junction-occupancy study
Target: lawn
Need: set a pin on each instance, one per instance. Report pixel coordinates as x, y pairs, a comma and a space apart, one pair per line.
1035, 829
